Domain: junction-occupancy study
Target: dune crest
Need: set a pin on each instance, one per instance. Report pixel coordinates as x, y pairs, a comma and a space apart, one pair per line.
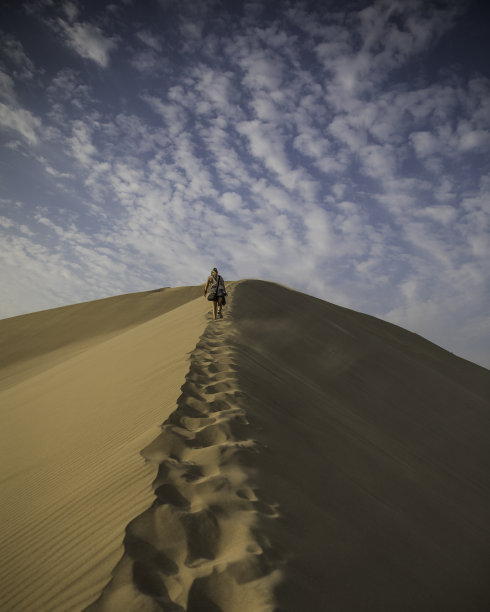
201, 545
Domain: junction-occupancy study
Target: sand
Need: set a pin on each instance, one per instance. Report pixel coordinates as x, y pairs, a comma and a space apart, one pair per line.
71, 476
310, 458
378, 456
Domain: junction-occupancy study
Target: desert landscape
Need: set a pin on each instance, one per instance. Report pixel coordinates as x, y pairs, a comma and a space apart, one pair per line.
296, 455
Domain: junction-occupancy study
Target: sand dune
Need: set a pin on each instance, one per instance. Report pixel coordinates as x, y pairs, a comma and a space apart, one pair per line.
316, 459
71, 476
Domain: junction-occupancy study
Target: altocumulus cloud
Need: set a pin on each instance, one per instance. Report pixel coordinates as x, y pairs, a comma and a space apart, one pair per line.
339, 148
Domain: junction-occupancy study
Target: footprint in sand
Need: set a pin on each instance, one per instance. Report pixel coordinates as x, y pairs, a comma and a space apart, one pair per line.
199, 543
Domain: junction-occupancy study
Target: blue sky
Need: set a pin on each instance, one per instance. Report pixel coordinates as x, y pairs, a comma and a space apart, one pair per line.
340, 148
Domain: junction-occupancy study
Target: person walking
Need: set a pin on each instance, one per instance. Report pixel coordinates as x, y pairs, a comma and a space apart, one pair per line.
217, 293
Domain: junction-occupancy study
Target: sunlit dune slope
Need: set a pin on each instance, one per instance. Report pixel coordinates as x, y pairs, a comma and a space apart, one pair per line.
377, 455
71, 430
33, 341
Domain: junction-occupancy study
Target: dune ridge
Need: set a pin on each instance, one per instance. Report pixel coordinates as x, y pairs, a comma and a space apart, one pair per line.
201, 545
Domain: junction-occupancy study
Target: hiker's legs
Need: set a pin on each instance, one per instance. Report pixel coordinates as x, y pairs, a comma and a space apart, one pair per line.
214, 309
220, 306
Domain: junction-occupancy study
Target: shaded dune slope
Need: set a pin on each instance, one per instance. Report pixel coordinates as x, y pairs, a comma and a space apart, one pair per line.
378, 456
318, 459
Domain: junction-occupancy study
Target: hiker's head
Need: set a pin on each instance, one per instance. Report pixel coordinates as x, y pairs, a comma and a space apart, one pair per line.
214, 271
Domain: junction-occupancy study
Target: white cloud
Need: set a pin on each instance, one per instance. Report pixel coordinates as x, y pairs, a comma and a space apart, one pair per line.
173, 114
311, 144
441, 214
191, 31
68, 93
146, 61
150, 40
13, 51
378, 161
53, 171
42, 275
21, 121
262, 73
431, 305
215, 87
6, 223
71, 10
318, 236
424, 143
275, 198
470, 139
343, 128
233, 171
81, 144
231, 202
7, 90
267, 145
428, 242
88, 41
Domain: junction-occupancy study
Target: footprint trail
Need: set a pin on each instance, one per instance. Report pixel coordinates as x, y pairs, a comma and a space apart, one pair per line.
202, 545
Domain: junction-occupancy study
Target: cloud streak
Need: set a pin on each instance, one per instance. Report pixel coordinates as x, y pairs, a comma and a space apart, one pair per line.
88, 41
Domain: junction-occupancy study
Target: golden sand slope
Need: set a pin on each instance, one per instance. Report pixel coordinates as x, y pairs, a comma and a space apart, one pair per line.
71, 430
317, 459
33, 343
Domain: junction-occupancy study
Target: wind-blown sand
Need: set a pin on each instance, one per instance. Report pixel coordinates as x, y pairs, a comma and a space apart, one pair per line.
316, 459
